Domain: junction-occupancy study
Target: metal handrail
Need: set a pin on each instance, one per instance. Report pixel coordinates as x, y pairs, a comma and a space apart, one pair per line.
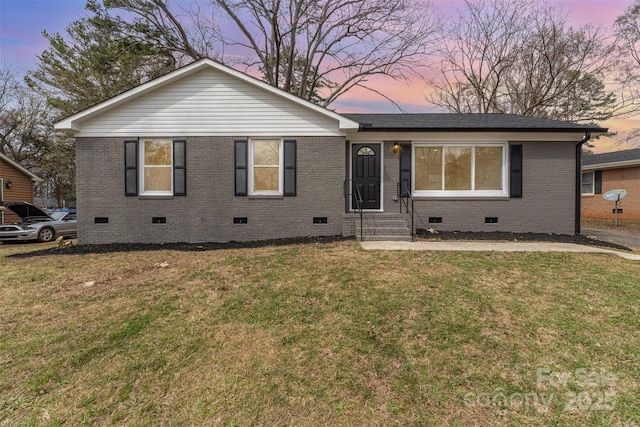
353, 183
404, 200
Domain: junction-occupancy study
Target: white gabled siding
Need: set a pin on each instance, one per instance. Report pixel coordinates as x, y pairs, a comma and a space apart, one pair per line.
209, 103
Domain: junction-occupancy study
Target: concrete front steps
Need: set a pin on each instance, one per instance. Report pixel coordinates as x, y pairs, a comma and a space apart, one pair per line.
383, 227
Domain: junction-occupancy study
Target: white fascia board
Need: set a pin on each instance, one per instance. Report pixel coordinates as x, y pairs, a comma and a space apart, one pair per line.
468, 136
612, 165
72, 123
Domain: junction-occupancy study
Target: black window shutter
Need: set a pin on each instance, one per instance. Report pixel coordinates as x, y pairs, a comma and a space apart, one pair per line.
131, 168
241, 167
179, 168
289, 167
405, 170
515, 164
597, 186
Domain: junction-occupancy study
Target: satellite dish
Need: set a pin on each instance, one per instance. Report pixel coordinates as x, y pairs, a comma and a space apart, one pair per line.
615, 195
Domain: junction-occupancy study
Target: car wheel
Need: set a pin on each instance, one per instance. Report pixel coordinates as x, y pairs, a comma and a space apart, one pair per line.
46, 235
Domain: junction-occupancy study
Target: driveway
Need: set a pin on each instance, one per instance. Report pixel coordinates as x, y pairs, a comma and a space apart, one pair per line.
625, 238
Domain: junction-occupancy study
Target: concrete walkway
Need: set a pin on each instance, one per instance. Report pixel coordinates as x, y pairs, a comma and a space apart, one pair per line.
494, 246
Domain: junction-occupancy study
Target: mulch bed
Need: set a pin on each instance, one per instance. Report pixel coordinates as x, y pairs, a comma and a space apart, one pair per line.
185, 247
518, 237
421, 233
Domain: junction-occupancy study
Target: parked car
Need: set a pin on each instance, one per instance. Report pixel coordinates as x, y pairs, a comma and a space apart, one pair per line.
37, 224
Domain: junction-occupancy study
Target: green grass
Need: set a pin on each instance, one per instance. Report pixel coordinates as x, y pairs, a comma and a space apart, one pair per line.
319, 335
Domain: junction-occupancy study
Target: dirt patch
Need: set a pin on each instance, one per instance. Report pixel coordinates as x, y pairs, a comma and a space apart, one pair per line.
423, 234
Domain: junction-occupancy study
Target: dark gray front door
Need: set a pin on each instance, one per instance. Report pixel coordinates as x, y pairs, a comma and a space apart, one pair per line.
365, 172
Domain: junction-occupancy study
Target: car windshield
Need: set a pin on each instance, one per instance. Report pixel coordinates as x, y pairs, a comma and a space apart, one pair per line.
58, 215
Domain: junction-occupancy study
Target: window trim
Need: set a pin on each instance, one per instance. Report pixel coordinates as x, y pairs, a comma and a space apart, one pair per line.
250, 166
593, 183
504, 192
141, 190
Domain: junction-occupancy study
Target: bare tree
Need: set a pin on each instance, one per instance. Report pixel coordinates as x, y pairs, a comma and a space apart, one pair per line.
522, 57
8, 86
315, 49
627, 59
27, 136
23, 118
9, 119
627, 68
318, 50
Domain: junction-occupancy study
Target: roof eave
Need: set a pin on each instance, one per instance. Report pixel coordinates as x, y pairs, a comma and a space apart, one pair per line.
482, 129
612, 165
67, 126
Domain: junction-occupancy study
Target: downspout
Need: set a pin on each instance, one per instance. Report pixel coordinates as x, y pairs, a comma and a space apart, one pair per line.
578, 213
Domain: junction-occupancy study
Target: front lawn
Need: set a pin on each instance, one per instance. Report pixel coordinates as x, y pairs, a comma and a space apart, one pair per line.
318, 335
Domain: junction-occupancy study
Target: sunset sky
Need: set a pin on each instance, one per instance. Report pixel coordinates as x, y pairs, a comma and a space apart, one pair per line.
22, 21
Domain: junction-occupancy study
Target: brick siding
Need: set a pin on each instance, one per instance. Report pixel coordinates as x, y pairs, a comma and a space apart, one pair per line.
206, 214
547, 205
595, 207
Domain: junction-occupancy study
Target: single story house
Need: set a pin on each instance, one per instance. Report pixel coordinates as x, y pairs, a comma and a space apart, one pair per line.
209, 154
16, 183
611, 171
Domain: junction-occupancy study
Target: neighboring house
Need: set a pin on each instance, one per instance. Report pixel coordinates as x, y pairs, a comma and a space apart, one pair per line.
209, 154
611, 171
16, 183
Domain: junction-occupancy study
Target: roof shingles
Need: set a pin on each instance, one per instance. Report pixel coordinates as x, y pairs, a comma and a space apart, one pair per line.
613, 157
467, 122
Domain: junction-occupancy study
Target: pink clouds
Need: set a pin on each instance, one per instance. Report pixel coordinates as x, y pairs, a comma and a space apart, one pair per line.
624, 139
22, 21
410, 95
596, 12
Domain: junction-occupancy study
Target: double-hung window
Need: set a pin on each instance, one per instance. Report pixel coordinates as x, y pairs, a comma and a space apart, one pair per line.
588, 182
157, 166
266, 167
591, 183
454, 170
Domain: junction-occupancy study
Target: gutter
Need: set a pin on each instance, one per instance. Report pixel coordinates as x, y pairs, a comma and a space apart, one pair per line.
369, 127
578, 213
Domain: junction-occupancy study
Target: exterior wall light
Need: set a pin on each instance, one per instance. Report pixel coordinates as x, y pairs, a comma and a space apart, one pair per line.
396, 148
8, 184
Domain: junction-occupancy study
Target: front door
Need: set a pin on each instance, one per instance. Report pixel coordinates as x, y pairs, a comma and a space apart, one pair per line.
365, 172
